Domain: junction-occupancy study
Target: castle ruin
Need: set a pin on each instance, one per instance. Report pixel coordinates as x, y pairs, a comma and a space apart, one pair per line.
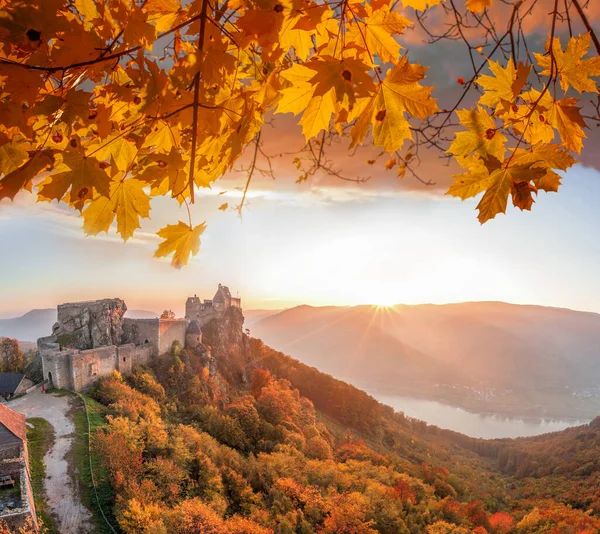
94, 338
205, 311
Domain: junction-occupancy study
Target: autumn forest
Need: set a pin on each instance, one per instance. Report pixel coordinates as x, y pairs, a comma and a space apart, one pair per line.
150, 121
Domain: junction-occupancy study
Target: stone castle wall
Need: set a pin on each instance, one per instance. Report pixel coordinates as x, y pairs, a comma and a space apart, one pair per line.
90, 365
78, 370
171, 330
18, 517
101, 340
142, 332
57, 367
158, 333
130, 356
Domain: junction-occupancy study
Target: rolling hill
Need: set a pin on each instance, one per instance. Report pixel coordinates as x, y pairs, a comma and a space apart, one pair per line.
484, 356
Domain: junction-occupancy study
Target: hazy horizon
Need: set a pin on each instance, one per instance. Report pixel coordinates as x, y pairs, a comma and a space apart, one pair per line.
181, 312
319, 246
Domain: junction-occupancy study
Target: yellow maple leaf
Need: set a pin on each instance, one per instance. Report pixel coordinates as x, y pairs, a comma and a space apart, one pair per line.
12, 155
83, 175
22, 86
482, 136
398, 94
166, 172
470, 184
420, 5
295, 99
534, 127
121, 149
477, 6
377, 32
545, 155
128, 202
87, 9
548, 157
293, 36
137, 29
318, 86
181, 240
163, 13
21, 177
317, 115
505, 84
498, 180
162, 137
566, 117
573, 70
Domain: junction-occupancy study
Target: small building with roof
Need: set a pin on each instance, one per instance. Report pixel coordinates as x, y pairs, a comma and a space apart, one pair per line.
12, 384
16, 497
193, 335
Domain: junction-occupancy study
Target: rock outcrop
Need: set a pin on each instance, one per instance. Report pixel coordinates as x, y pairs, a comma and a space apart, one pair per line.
228, 345
88, 325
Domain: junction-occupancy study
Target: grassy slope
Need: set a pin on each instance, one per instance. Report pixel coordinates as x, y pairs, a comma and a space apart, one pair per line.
39, 440
81, 458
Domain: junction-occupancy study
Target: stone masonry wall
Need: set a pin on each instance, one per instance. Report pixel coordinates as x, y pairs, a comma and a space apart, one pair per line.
130, 356
90, 365
56, 365
18, 517
142, 332
171, 330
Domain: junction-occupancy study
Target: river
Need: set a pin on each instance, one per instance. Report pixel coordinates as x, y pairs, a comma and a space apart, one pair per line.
472, 424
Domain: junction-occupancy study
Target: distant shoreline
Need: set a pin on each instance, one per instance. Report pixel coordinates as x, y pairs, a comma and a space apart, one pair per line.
549, 416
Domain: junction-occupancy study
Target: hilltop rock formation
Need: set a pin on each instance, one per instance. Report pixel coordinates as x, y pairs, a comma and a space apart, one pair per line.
225, 339
88, 325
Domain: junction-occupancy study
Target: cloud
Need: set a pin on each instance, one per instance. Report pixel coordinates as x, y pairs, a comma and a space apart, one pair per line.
447, 60
61, 219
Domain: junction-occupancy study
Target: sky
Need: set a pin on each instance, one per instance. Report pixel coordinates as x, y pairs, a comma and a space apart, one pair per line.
320, 246
327, 242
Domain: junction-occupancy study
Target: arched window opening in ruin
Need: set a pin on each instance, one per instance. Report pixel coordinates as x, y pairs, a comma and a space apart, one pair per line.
146, 341
124, 359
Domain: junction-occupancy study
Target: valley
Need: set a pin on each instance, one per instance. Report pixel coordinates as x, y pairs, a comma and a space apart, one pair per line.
486, 357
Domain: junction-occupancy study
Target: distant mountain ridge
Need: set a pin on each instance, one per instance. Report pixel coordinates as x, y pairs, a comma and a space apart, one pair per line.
38, 323
481, 355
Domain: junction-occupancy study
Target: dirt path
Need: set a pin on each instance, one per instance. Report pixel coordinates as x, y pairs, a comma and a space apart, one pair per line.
62, 488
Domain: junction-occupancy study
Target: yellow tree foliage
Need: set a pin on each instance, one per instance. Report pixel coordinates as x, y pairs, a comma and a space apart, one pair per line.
106, 105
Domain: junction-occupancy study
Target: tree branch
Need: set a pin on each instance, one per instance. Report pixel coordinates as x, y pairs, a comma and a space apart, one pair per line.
196, 97
100, 59
587, 24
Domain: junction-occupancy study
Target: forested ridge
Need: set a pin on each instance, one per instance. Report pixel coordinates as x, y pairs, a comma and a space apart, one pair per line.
249, 440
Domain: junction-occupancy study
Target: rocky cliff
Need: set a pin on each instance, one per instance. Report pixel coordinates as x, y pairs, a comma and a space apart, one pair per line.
87, 325
229, 345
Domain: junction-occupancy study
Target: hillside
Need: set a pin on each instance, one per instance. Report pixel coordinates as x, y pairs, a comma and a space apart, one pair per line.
38, 323
487, 356
29, 326
242, 439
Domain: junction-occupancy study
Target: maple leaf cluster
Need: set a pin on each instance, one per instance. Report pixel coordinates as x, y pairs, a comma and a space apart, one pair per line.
105, 105
533, 118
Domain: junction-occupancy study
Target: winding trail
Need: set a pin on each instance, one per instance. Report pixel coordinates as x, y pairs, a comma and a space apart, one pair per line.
61, 484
